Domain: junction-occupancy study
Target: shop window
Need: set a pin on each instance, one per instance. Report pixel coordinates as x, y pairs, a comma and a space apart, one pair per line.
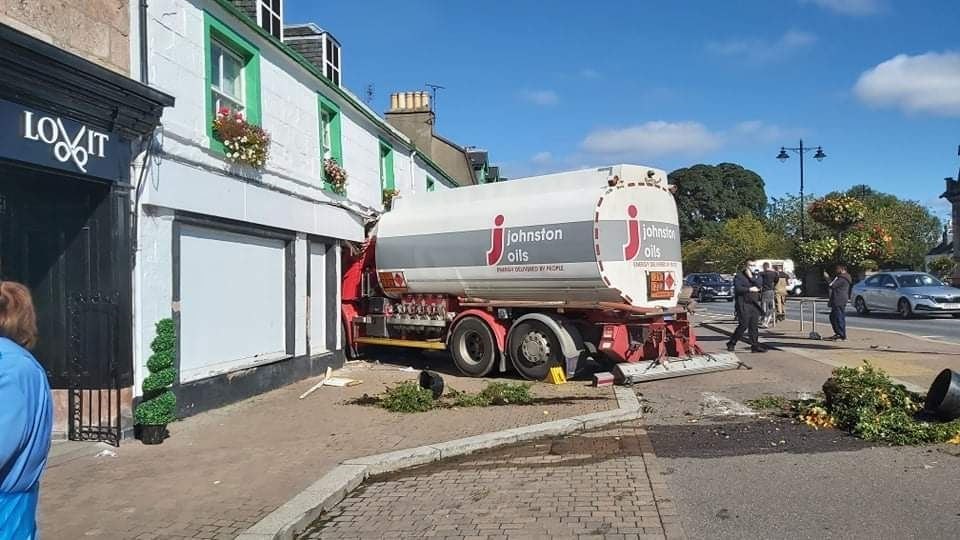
232, 75
331, 146
386, 166
270, 17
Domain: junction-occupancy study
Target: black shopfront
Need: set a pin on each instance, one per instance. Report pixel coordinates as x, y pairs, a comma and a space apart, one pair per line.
68, 129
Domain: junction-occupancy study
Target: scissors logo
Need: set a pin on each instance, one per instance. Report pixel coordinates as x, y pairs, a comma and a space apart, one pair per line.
78, 148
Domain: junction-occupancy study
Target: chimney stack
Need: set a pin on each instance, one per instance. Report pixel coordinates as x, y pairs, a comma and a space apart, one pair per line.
405, 102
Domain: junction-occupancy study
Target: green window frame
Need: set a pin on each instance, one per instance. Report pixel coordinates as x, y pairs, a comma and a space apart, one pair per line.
386, 166
431, 184
249, 54
329, 123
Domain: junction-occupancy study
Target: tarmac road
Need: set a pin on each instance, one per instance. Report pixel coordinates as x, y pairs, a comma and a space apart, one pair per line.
735, 476
942, 327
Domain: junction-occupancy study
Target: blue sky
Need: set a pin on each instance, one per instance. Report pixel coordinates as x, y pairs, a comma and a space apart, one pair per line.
548, 86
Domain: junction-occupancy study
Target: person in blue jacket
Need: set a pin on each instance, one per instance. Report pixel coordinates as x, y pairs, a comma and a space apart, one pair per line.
26, 414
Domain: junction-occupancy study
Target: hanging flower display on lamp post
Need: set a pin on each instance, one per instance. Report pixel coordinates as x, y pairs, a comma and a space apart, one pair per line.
243, 142
852, 242
335, 175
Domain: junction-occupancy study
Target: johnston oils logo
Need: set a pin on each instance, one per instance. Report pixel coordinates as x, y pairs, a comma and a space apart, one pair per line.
645, 238
511, 245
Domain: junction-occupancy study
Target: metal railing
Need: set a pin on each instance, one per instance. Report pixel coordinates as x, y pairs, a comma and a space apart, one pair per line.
812, 302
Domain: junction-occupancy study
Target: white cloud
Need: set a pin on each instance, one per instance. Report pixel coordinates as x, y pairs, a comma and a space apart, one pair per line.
759, 51
759, 131
588, 73
652, 139
543, 98
660, 138
926, 83
849, 7
541, 158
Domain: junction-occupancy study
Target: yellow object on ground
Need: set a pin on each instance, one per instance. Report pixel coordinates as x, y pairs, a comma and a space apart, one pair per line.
556, 375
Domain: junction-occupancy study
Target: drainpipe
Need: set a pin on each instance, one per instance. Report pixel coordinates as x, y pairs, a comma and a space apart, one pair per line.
413, 165
144, 72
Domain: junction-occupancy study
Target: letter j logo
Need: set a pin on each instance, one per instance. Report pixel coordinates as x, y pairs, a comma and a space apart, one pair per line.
632, 247
496, 242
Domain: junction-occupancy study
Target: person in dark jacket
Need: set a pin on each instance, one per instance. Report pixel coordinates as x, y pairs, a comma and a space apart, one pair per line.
839, 296
746, 291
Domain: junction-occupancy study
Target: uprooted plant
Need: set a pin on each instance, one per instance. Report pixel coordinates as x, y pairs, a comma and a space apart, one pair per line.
408, 397
865, 402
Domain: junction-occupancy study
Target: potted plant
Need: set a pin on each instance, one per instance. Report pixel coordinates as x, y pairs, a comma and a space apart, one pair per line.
335, 175
388, 196
158, 405
243, 142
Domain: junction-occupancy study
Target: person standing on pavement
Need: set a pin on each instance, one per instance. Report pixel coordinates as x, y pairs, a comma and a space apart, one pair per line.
746, 290
768, 293
839, 296
783, 280
26, 415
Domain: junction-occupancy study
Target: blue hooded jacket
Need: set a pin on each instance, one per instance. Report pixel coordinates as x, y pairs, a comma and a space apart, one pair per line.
26, 415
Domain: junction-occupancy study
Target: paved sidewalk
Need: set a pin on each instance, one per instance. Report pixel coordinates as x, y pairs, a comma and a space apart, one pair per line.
601, 484
915, 361
223, 470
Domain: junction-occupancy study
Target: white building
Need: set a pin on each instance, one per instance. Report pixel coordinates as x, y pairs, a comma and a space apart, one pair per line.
247, 262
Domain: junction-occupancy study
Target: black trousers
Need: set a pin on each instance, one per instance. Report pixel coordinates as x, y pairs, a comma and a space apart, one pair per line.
748, 322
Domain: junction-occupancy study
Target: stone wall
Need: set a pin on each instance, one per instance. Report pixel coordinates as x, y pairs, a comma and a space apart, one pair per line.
98, 30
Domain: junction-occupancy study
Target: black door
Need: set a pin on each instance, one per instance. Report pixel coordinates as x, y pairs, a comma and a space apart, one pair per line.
63, 238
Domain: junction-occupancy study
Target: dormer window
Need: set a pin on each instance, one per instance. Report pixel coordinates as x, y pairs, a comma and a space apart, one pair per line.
331, 59
270, 17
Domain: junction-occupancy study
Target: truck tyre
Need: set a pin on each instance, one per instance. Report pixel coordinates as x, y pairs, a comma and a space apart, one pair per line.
534, 349
473, 347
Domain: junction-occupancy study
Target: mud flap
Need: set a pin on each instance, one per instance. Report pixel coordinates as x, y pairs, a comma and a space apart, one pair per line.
666, 368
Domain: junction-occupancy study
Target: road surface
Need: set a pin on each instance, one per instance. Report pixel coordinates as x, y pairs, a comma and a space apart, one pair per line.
941, 327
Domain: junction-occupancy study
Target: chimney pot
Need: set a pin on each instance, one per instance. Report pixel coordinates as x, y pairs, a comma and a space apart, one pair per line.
402, 101
394, 101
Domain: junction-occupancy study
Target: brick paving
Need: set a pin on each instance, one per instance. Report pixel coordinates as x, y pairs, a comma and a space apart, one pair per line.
602, 484
224, 470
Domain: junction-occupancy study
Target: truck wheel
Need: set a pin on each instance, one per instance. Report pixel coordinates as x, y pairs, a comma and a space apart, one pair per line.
534, 349
473, 348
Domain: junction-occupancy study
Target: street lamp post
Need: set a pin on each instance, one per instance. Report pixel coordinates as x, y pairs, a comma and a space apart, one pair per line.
801, 150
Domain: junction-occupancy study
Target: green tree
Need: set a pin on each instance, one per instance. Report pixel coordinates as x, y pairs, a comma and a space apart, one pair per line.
913, 229
726, 247
783, 216
709, 195
942, 267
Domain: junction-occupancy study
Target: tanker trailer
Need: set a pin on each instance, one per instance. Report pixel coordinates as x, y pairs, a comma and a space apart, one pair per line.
534, 272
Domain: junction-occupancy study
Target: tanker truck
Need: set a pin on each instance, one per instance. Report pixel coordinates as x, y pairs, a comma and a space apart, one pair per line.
533, 273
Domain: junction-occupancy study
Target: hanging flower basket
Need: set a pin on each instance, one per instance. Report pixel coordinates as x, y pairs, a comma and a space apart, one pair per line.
838, 212
244, 142
388, 196
335, 175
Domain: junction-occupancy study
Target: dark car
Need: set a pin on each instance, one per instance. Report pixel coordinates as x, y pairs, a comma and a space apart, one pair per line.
709, 286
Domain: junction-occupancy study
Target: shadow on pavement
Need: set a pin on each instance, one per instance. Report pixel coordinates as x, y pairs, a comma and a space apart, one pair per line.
753, 437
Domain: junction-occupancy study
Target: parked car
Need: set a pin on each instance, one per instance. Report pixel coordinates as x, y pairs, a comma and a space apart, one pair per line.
905, 293
709, 286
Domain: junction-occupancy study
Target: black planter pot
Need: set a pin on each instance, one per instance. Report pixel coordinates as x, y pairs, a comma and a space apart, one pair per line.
433, 382
152, 434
